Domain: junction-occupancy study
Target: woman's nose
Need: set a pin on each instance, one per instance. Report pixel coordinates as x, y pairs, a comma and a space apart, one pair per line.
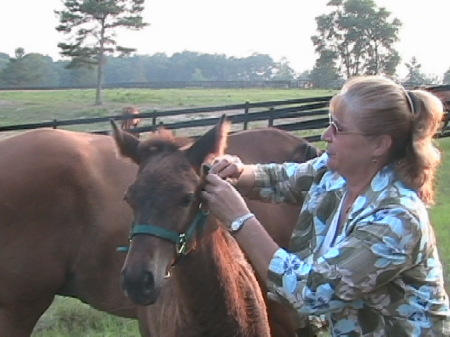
326, 135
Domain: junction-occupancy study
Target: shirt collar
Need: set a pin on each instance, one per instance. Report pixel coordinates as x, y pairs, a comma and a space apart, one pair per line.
333, 181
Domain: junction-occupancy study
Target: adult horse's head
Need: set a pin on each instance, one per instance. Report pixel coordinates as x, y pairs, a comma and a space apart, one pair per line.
165, 202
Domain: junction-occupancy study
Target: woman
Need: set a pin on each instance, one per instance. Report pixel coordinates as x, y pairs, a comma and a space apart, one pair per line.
363, 251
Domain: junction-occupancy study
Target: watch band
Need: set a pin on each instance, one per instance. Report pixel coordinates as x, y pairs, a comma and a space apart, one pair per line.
238, 223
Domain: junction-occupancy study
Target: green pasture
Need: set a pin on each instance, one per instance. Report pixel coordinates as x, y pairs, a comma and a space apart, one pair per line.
440, 215
31, 106
71, 318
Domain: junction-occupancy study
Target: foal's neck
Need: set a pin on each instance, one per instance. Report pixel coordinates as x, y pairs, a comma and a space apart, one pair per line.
206, 284
203, 271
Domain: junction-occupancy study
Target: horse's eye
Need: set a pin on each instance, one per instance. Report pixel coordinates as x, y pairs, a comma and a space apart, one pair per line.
187, 199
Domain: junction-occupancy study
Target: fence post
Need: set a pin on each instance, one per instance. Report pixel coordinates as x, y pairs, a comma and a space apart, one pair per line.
245, 114
55, 124
270, 122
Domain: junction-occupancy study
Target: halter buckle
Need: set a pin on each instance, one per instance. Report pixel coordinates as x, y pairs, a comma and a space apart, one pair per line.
181, 245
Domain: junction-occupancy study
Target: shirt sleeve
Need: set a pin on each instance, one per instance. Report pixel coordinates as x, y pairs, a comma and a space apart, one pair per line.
379, 248
285, 183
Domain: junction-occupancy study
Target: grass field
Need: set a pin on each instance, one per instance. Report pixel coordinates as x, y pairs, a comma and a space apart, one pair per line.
18, 107
69, 317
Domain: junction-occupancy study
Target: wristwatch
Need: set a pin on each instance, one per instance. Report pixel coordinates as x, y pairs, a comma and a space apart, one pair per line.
239, 222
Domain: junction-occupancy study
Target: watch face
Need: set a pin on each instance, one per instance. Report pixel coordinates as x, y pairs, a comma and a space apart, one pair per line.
235, 225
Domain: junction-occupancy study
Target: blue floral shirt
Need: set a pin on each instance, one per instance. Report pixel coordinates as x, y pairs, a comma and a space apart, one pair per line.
381, 277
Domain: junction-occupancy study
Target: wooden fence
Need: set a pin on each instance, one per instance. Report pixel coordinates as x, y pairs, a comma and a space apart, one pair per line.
307, 116
297, 114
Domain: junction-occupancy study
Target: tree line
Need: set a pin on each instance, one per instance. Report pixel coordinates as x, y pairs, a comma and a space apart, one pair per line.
355, 37
37, 70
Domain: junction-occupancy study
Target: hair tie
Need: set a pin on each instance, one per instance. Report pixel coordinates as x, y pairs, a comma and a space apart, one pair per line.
412, 101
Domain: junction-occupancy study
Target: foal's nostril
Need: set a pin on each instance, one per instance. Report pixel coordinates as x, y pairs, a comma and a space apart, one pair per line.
140, 288
148, 283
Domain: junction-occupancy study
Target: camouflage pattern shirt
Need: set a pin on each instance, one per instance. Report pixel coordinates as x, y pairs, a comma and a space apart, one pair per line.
382, 275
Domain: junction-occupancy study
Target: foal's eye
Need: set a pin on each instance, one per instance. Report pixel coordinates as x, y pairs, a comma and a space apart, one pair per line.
187, 199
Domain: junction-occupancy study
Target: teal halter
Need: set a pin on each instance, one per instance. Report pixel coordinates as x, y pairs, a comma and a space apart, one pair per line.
182, 241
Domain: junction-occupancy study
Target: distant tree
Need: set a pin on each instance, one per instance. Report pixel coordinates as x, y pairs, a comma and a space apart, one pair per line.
215, 67
283, 71
91, 26
29, 70
74, 77
156, 67
183, 65
256, 67
125, 69
304, 78
416, 76
4, 59
325, 73
197, 75
446, 79
360, 36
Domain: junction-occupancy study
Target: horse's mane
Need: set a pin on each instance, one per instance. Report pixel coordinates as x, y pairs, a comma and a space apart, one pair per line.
235, 273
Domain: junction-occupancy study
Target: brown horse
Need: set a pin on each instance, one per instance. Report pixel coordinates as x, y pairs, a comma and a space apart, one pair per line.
130, 123
62, 216
211, 291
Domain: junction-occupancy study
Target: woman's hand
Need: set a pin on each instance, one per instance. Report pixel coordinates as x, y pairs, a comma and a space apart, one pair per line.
223, 200
227, 204
227, 167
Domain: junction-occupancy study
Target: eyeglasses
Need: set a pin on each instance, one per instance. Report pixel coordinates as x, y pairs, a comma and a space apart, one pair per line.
336, 131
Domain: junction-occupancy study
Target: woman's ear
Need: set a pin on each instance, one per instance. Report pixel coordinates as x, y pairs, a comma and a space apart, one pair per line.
382, 145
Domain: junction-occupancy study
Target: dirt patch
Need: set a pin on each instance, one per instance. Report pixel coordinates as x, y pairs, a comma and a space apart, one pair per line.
5, 103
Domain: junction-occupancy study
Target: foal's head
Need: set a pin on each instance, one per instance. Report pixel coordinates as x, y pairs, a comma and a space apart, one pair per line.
165, 202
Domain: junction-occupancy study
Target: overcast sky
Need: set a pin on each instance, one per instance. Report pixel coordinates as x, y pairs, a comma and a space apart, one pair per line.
281, 28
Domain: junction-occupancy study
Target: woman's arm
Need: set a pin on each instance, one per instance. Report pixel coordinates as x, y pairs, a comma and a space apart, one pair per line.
377, 250
287, 182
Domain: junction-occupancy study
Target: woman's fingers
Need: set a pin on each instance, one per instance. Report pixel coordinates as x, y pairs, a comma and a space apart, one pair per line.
227, 166
222, 199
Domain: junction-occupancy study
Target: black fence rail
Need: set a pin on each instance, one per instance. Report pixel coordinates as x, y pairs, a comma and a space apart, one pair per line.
295, 114
308, 117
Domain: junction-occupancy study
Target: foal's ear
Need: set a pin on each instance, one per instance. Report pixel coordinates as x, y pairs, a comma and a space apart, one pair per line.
211, 144
126, 143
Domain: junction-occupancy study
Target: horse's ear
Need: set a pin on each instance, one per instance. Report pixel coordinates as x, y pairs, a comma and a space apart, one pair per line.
126, 142
211, 144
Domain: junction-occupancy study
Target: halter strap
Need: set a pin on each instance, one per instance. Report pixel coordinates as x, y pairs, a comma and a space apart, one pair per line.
183, 241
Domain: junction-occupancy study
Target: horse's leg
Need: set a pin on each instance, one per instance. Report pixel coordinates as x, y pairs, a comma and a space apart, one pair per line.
19, 320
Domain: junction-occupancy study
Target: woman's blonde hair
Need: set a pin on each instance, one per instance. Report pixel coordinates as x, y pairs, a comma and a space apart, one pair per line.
411, 118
